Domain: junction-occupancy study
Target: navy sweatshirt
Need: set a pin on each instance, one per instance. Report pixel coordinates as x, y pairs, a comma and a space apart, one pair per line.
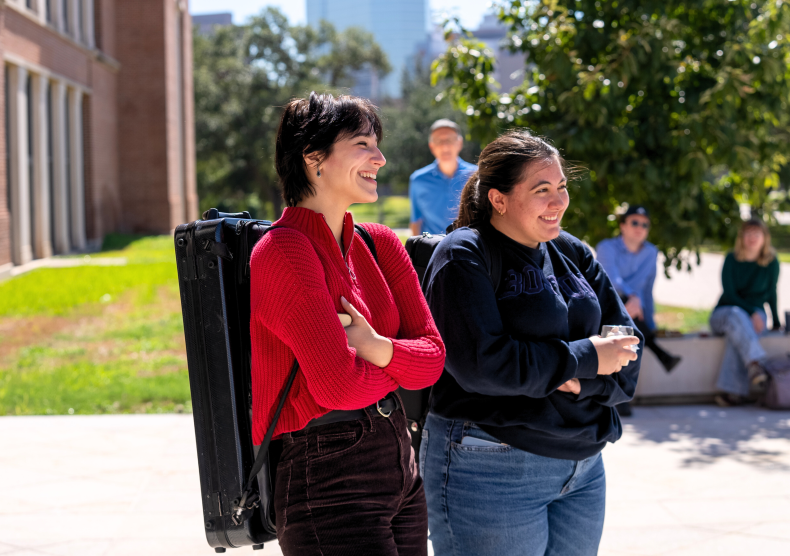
509, 350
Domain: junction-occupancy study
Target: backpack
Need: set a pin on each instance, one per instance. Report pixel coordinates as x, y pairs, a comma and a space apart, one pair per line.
416, 403
777, 391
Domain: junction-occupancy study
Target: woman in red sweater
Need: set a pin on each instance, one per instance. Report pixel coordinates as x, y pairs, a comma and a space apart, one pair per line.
347, 482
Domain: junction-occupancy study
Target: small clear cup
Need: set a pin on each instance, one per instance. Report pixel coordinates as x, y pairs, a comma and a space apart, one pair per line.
618, 330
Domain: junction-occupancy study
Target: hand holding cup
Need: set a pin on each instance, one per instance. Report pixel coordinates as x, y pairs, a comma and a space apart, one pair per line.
616, 348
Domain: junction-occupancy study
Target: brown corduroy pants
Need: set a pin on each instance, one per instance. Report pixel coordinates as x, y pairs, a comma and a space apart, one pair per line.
351, 488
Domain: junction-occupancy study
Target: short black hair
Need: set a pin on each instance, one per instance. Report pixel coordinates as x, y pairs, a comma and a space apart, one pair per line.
311, 126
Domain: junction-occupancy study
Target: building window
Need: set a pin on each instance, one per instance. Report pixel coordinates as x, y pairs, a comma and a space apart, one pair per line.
64, 13
80, 20
50, 165
7, 140
97, 26
67, 112
29, 4
31, 162
48, 9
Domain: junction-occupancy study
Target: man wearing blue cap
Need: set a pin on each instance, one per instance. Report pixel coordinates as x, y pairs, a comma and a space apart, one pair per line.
630, 261
435, 191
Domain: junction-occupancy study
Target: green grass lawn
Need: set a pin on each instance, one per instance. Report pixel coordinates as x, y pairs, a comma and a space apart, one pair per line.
131, 361
682, 319
56, 291
95, 339
136, 249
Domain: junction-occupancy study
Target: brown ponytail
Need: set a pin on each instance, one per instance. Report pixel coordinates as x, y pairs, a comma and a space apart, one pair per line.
469, 209
501, 166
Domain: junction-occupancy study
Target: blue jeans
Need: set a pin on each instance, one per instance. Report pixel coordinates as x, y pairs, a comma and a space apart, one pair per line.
502, 501
743, 347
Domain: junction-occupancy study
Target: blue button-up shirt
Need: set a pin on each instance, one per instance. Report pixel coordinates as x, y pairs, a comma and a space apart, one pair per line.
631, 273
435, 198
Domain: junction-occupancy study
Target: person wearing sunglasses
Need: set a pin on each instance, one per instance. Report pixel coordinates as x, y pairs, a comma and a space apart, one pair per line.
630, 261
435, 190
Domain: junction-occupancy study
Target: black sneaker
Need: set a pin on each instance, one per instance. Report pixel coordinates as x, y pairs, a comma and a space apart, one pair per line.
757, 376
671, 362
724, 399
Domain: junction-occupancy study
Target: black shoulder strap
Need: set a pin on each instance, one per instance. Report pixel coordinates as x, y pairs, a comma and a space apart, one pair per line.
493, 254
567, 249
368, 239
246, 502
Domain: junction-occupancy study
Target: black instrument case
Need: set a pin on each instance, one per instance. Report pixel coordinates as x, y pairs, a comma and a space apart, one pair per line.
213, 271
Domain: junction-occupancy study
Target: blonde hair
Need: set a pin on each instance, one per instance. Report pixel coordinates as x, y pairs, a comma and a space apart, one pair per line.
767, 253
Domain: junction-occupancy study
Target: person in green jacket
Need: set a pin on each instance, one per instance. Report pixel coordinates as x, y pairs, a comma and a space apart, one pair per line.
749, 279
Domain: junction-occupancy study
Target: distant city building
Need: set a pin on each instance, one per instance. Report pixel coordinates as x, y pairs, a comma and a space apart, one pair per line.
509, 68
205, 23
99, 126
429, 48
398, 26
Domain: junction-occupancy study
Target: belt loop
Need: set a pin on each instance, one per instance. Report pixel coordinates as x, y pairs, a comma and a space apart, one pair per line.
456, 431
397, 397
371, 418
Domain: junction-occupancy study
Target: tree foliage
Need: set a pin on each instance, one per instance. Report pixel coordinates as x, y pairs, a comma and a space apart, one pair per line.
244, 75
352, 50
679, 105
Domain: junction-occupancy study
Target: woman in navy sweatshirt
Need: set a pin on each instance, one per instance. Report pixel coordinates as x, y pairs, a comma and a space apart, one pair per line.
511, 451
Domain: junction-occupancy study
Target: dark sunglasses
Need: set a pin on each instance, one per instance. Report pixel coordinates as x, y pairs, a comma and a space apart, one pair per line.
638, 224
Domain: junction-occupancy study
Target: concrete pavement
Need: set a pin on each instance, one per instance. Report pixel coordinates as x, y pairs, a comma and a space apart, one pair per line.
698, 480
683, 480
112, 485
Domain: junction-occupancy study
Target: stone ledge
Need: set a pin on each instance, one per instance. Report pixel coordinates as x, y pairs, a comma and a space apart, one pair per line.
694, 379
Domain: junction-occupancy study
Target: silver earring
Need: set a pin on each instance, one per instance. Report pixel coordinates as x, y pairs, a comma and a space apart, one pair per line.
318, 173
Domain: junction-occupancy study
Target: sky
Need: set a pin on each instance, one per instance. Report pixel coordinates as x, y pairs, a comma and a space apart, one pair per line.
470, 11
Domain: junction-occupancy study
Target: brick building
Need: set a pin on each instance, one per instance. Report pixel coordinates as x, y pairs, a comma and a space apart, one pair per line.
97, 109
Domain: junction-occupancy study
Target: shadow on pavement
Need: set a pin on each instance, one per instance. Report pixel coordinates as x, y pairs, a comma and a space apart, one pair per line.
708, 434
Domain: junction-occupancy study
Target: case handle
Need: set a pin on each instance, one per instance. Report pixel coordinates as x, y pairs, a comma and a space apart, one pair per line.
213, 214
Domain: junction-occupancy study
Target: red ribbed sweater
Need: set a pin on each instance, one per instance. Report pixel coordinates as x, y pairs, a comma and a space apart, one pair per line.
298, 275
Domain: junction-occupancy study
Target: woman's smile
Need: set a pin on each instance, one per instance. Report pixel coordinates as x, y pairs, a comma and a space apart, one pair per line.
369, 177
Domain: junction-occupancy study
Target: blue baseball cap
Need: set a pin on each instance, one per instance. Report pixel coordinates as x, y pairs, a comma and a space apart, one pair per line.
636, 209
